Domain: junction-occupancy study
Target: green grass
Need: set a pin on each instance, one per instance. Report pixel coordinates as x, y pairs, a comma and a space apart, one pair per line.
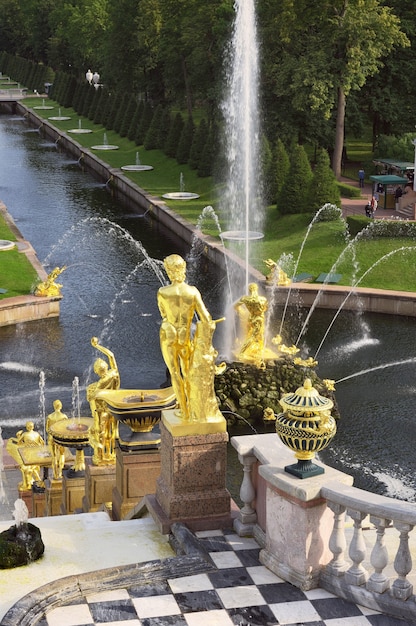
283, 235
16, 272
326, 246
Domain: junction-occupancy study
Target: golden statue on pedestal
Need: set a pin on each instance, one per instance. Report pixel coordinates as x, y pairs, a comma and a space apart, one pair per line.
49, 288
251, 310
277, 276
57, 450
189, 357
104, 431
28, 438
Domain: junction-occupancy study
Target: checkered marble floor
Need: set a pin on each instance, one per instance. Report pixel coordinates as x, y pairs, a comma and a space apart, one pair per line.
239, 591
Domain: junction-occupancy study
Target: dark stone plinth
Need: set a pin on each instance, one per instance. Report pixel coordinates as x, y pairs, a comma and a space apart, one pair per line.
20, 546
136, 474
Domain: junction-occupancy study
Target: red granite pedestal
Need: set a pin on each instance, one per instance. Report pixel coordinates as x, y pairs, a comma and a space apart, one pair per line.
53, 491
99, 485
136, 474
73, 490
192, 484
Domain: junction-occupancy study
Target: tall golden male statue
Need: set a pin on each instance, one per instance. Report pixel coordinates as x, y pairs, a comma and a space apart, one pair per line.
185, 353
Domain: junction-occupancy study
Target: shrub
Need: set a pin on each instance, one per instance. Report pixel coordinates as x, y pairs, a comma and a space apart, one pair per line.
347, 191
328, 213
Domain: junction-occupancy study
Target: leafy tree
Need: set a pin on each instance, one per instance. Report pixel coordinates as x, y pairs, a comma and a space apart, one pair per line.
324, 188
326, 51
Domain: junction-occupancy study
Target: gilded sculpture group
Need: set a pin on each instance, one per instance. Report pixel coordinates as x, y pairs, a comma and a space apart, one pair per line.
189, 355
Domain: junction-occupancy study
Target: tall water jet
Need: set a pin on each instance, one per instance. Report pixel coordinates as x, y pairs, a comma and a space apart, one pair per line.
242, 197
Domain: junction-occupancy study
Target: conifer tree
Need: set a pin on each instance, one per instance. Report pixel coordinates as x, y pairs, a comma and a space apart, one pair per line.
135, 120
281, 166
151, 140
144, 123
174, 136
128, 116
324, 187
267, 168
198, 143
185, 141
294, 197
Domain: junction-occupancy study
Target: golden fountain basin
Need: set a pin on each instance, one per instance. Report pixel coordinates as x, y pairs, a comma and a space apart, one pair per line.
140, 410
73, 432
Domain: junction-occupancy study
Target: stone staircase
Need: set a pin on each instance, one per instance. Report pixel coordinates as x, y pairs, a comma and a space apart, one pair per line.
407, 206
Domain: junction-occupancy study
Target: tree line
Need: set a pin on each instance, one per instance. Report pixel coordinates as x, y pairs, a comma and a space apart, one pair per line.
326, 68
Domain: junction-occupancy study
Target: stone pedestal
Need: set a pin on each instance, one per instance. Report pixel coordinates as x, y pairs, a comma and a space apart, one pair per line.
53, 500
38, 504
192, 483
99, 485
136, 474
73, 490
298, 525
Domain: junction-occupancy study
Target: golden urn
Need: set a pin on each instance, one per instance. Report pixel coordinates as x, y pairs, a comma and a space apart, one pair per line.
306, 426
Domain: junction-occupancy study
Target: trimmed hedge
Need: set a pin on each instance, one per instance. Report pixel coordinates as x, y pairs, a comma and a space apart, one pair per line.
380, 228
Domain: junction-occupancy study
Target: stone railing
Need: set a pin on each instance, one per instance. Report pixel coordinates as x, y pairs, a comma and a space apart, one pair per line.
323, 532
371, 567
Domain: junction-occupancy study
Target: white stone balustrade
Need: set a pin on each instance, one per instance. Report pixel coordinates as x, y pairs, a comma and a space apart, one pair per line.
322, 531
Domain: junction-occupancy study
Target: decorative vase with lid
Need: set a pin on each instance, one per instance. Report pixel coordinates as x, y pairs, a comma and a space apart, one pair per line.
306, 426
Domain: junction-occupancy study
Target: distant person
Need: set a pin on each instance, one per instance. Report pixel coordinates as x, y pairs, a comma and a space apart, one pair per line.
397, 195
361, 176
374, 205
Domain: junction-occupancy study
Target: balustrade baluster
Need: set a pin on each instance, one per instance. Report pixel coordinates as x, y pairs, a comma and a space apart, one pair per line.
247, 516
378, 581
401, 587
337, 542
357, 574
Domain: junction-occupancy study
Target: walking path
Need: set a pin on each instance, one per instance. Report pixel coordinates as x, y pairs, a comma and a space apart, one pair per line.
356, 206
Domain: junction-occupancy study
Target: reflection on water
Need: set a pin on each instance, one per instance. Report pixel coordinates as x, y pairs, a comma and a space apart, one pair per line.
109, 291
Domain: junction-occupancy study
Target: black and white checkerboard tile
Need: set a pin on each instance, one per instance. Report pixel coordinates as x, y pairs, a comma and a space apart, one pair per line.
241, 592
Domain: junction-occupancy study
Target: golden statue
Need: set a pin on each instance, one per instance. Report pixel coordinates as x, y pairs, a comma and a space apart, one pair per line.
57, 451
183, 352
202, 399
251, 310
49, 287
104, 431
291, 350
277, 276
28, 438
309, 362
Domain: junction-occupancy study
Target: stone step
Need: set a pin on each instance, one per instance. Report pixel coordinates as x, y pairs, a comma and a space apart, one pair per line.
407, 212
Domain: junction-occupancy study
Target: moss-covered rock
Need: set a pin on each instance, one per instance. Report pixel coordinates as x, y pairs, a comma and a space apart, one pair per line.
245, 390
20, 546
